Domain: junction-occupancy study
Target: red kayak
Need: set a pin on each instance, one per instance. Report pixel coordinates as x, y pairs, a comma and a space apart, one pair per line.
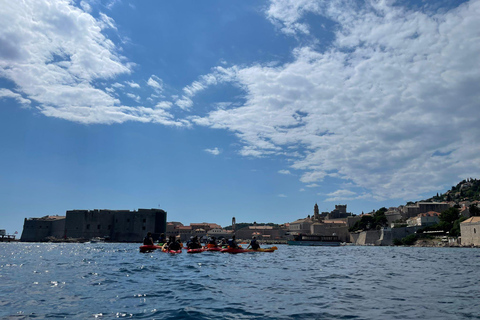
173, 251
149, 248
196, 250
214, 249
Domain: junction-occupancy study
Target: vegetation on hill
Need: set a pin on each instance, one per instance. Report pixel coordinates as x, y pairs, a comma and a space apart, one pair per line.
371, 222
466, 190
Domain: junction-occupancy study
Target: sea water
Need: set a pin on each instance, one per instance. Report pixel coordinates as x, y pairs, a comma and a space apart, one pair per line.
112, 280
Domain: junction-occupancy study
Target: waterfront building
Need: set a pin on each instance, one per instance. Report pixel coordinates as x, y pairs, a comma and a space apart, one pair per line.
115, 225
470, 232
337, 228
220, 233
300, 226
44, 228
262, 232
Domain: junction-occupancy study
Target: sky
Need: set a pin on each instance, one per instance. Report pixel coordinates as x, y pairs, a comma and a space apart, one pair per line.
252, 109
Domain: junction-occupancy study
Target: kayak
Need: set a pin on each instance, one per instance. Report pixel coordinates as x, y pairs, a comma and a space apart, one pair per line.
149, 248
240, 250
172, 251
214, 249
196, 250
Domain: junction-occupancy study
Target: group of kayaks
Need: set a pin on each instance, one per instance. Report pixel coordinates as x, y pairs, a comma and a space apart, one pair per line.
164, 248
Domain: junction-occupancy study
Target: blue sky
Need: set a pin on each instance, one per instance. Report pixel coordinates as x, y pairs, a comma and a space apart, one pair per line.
252, 109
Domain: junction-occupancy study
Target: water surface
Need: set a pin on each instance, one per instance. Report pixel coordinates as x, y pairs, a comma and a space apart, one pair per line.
105, 281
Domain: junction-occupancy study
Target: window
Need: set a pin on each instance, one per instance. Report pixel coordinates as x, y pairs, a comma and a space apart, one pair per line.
109, 226
144, 220
88, 227
143, 228
98, 227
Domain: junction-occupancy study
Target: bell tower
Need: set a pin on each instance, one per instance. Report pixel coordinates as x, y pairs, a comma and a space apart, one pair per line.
316, 213
233, 224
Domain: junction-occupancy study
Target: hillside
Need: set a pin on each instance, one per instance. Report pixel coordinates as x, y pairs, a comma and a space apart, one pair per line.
466, 190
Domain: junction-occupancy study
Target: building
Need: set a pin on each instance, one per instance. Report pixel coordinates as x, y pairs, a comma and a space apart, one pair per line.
220, 233
423, 207
470, 232
261, 232
300, 226
115, 225
337, 228
340, 212
424, 219
41, 229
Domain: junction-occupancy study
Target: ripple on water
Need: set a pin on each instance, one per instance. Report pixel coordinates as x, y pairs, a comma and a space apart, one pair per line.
116, 281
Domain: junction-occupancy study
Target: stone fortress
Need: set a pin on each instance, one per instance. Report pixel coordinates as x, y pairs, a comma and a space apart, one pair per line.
114, 225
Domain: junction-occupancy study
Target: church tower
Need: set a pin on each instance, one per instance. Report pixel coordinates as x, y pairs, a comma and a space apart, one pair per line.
316, 213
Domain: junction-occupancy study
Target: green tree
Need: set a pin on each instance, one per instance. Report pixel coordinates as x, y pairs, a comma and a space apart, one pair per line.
474, 210
409, 240
448, 217
455, 231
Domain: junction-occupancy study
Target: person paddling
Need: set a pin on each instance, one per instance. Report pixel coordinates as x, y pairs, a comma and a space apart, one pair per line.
162, 240
232, 243
174, 245
254, 244
148, 240
212, 243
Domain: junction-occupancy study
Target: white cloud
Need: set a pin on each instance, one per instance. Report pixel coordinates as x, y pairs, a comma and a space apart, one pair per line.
281, 195
106, 22
134, 97
132, 84
284, 172
343, 195
164, 105
218, 75
156, 83
5, 93
86, 6
55, 53
215, 151
391, 106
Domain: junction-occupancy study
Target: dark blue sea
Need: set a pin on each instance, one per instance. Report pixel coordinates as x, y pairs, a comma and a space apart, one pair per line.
107, 281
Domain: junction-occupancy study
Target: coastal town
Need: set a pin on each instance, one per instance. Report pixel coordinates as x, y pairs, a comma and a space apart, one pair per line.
450, 219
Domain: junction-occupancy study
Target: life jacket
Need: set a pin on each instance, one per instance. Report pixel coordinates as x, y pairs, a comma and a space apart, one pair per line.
232, 243
147, 241
174, 246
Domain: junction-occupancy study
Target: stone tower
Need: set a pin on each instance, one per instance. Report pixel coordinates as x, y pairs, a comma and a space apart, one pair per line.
316, 213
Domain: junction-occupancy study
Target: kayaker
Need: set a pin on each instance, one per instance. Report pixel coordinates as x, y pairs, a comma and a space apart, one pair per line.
212, 243
254, 244
194, 243
174, 245
162, 239
224, 243
232, 243
148, 240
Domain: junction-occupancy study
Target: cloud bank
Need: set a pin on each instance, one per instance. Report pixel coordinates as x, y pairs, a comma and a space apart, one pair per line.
56, 54
391, 105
